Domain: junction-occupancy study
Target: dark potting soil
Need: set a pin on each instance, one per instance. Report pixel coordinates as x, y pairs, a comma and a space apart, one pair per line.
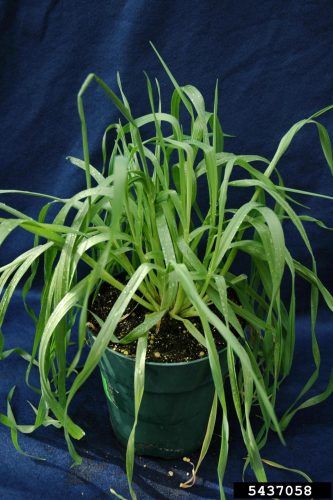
170, 343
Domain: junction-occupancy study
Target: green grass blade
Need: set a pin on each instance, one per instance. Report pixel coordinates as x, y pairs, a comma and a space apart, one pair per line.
139, 380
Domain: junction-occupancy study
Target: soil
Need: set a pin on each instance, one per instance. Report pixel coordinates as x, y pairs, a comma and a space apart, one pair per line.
172, 343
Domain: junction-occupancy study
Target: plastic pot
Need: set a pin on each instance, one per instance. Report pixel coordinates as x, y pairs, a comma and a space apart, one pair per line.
175, 406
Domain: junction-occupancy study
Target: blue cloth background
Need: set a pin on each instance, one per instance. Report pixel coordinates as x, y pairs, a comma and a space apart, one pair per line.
274, 63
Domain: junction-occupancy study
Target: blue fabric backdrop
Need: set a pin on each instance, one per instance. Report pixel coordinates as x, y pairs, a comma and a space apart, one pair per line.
274, 63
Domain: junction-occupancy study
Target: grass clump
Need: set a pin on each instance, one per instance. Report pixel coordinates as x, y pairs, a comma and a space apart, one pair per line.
141, 214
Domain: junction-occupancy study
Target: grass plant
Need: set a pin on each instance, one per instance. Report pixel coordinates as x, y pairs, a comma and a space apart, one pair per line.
141, 214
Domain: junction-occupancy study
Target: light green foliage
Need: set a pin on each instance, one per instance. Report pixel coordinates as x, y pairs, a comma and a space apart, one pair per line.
141, 214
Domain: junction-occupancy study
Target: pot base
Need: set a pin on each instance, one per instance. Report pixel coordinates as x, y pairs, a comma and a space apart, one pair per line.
175, 406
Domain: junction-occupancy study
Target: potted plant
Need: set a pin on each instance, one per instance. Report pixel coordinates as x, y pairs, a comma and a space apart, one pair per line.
168, 317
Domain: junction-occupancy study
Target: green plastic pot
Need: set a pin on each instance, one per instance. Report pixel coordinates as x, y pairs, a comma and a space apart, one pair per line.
175, 406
